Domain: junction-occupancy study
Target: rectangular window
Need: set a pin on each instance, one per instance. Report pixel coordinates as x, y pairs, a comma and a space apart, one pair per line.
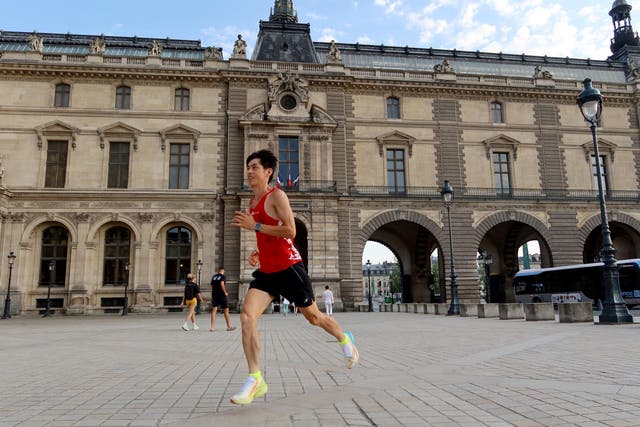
56, 170
501, 173
396, 171
393, 108
496, 113
182, 99
123, 97
179, 166
118, 165
603, 171
62, 95
288, 157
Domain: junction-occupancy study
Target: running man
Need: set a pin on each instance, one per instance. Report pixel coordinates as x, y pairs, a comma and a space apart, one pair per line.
281, 272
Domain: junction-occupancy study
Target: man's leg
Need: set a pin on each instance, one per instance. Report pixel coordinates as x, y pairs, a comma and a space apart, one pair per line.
254, 305
214, 310
329, 324
317, 318
227, 318
254, 386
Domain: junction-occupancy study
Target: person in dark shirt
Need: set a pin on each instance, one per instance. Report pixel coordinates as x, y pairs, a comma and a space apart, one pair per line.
219, 299
190, 298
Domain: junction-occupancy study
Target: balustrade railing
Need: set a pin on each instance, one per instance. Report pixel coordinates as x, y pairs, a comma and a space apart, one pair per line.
495, 194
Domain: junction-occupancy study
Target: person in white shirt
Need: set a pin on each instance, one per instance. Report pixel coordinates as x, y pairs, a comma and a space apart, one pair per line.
327, 296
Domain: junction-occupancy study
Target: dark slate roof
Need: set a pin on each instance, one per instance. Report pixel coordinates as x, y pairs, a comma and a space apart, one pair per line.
79, 44
285, 42
466, 62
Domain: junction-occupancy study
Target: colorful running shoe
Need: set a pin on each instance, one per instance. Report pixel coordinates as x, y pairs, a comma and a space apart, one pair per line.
252, 388
350, 351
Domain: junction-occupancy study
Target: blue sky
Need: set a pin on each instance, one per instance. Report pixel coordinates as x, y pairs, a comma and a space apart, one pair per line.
537, 27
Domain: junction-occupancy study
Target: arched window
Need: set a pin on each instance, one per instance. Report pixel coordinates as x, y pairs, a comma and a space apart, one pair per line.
496, 113
123, 97
182, 99
62, 95
393, 108
117, 249
53, 259
178, 258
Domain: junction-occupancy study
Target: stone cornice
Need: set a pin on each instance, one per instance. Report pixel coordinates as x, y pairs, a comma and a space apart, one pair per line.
562, 91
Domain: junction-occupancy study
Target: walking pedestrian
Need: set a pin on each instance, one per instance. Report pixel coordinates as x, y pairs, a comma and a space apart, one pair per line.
190, 298
285, 306
327, 296
219, 296
280, 272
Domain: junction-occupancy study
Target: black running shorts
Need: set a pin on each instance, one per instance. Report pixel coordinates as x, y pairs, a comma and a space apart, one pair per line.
219, 301
292, 283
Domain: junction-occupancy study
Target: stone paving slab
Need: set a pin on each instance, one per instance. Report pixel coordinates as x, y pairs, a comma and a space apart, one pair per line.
415, 370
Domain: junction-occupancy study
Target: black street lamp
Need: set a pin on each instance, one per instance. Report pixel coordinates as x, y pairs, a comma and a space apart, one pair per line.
485, 258
614, 310
125, 304
447, 197
7, 300
199, 265
369, 285
52, 277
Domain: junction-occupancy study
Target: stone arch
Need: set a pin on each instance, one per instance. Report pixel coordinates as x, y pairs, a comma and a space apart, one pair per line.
42, 220
411, 236
398, 215
121, 219
624, 234
176, 221
595, 222
506, 216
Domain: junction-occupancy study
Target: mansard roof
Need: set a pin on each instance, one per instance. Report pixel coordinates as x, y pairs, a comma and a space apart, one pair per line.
469, 62
80, 44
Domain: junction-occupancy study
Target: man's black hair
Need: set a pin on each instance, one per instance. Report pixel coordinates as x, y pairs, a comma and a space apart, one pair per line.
267, 159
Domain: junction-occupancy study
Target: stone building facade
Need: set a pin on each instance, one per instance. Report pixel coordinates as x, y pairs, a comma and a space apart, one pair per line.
123, 160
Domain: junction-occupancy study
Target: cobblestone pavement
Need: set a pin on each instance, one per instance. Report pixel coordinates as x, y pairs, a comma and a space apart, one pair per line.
415, 370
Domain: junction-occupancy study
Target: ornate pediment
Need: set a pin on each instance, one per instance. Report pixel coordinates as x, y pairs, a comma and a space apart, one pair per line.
256, 113
180, 132
119, 130
396, 138
318, 115
503, 142
604, 147
57, 129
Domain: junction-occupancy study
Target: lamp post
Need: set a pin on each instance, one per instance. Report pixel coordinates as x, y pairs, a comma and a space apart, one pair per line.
369, 285
614, 309
447, 197
125, 304
7, 300
199, 265
485, 258
52, 277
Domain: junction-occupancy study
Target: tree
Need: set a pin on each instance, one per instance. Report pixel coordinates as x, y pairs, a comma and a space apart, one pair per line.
395, 280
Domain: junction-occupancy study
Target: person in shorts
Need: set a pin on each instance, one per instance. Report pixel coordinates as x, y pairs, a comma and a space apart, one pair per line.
190, 299
219, 296
280, 272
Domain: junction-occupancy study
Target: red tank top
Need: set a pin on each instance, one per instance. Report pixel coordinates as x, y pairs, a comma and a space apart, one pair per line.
276, 253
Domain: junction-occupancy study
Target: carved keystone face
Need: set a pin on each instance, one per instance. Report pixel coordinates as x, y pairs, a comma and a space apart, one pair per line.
288, 102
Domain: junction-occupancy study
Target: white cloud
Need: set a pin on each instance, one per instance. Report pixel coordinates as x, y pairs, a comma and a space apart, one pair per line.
470, 40
391, 6
328, 34
364, 40
468, 14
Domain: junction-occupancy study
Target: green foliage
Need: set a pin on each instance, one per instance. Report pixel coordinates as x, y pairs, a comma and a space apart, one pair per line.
435, 271
395, 280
